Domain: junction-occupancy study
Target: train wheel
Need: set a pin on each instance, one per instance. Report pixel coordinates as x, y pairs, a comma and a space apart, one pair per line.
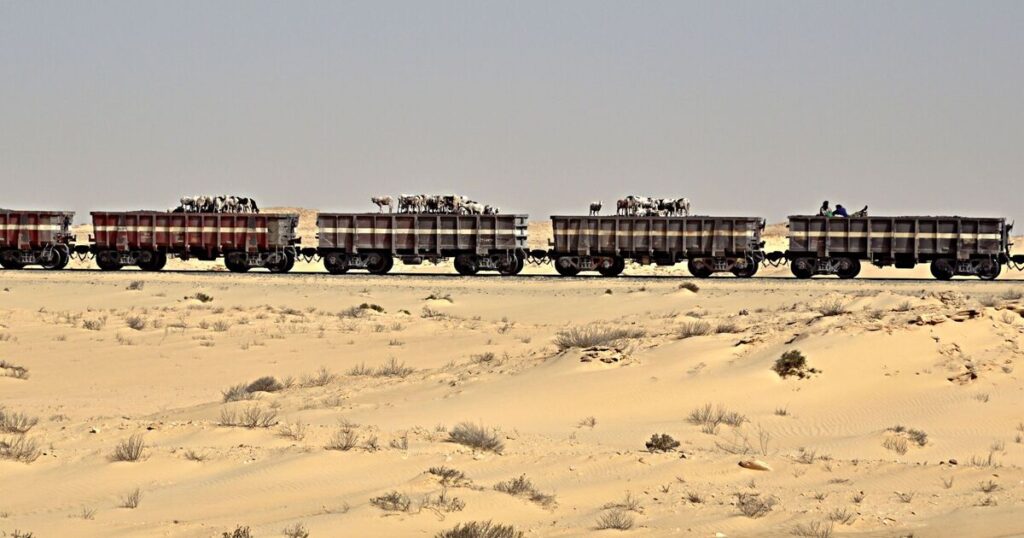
108, 260
989, 270
9, 260
698, 270
466, 265
58, 260
336, 264
156, 262
65, 259
236, 262
566, 268
512, 266
616, 268
802, 267
943, 269
848, 268
381, 265
747, 271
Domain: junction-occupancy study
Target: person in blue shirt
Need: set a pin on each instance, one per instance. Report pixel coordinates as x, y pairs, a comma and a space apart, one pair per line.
840, 211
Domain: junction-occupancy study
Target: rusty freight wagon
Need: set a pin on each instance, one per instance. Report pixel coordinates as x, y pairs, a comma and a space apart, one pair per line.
952, 245
708, 244
35, 238
372, 241
148, 238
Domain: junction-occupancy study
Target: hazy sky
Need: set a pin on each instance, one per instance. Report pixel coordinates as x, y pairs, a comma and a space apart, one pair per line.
760, 108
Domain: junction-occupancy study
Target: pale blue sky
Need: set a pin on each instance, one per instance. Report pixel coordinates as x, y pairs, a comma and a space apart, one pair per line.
761, 108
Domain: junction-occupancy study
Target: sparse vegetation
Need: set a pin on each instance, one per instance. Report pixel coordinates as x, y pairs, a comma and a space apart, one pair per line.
19, 423
814, 529
129, 449
896, 444
662, 443
251, 417
237, 393
295, 431
595, 335
132, 499
690, 329
239, 532
842, 516
393, 501
11, 370
523, 487
136, 285
709, 418
443, 503
20, 448
321, 378
988, 487
201, 297
727, 327
297, 530
450, 477
136, 322
793, 363
480, 529
694, 497
96, 324
689, 286
615, 519
832, 307
588, 422
344, 439
265, 384
476, 436
393, 368
753, 505
629, 503
905, 497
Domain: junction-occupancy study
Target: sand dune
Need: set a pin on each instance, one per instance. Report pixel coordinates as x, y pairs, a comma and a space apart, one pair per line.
931, 358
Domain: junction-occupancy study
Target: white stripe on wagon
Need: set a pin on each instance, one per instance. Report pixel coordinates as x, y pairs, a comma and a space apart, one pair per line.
178, 229
34, 227
656, 234
899, 235
381, 231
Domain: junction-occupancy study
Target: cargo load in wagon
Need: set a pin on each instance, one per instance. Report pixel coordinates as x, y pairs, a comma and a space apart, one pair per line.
372, 241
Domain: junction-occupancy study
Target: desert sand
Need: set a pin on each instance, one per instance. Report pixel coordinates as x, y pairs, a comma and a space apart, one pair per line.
906, 419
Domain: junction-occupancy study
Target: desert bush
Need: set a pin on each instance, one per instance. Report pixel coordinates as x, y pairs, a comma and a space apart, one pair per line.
16, 422
239, 532
727, 327
220, 326
136, 322
400, 443
792, 363
481, 358
136, 285
594, 335
251, 417
814, 529
192, 455
917, 436
896, 444
11, 370
129, 449
443, 502
753, 505
477, 437
628, 504
201, 297
344, 439
17, 533
87, 513
588, 422
615, 519
694, 497
988, 487
450, 477
905, 497
710, 417
523, 487
480, 529
237, 393
438, 297
297, 530
393, 501
689, 286
841, 516
832, 307
20, 448
1012, 295
132, 499
322, 377
661, 443
294, 431
265, 384
690, 329
95, 324
393, 368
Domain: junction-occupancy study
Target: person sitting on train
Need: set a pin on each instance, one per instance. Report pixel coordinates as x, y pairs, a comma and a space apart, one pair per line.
840, 211
825, 210
862, 212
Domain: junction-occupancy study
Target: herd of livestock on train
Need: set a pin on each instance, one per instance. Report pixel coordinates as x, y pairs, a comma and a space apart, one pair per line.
479, 237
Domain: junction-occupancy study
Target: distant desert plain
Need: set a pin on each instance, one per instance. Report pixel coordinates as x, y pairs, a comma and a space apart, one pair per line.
199, 403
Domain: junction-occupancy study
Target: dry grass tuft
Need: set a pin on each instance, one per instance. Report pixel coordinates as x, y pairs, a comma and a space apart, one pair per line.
11, 370
594, 335
814, 529
690, 329
132, 499
19, 423
661, 443
832, 307
523, 487
616, 520
344, 439
753, 505
450, 477
321, 378
20, 448
480, 529
297, 530
393, 501
129, 449
251, 417
476, 436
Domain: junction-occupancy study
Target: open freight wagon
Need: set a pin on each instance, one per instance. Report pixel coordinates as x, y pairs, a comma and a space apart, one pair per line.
372, 241
147, 238
708, 244
951, 245
35, 238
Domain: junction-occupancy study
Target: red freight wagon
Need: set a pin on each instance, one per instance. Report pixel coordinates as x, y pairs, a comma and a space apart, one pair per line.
148, 238
35, 237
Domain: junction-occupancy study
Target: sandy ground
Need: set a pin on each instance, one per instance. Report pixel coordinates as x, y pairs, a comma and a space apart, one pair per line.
937, 358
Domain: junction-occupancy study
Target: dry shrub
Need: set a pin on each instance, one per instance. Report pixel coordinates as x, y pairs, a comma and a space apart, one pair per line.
16, 422
709, 417
344, 439
628, 504
201, 297
132, 499
239, 532
727, 327
477, 437
615, 519
694, 328
136, 322
661, 443
814, 529
129, 449
480, 529
689, 286
393, 501
20, 448
251, 417
237, 393
265, 384
443, 503
792, 363
832, 307
295, 432
842, 516
11, 370
393, 368
896, 444
450, 477
753, 505
297, 530
594, 335
523, 487
321, 378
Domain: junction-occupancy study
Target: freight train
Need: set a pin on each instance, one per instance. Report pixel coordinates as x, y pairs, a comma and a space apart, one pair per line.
818, 245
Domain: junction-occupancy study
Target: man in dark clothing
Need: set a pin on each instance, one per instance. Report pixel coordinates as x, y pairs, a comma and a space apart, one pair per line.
825, 210
840, 211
